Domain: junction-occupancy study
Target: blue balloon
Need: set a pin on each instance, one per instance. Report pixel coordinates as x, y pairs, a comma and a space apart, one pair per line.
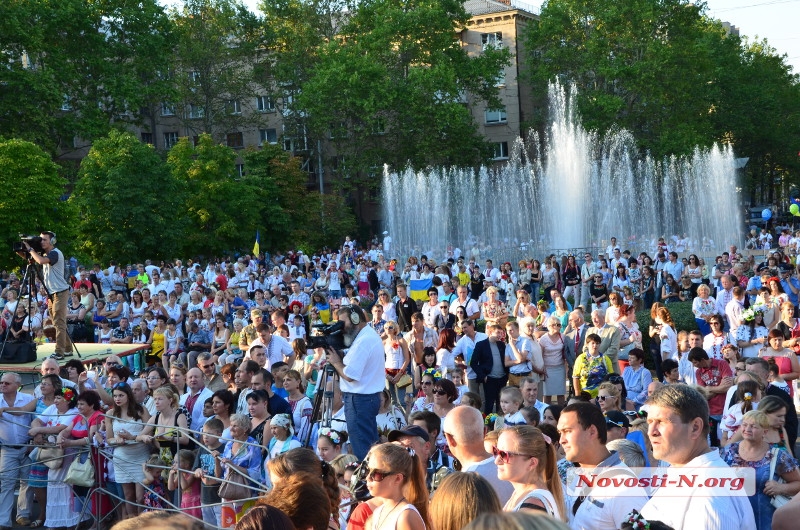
766, 214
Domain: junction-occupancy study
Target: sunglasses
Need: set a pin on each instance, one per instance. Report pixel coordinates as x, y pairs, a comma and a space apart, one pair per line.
505, 456
376, 475
603, 398
208, 366
439, 392
615, 380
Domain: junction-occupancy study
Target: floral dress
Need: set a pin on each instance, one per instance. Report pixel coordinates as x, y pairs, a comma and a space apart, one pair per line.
762, 509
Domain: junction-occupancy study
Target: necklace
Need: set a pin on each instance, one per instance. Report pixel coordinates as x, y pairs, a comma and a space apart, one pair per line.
398, 503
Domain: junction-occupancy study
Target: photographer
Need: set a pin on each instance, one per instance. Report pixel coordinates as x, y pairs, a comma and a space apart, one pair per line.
362, 377
55, 271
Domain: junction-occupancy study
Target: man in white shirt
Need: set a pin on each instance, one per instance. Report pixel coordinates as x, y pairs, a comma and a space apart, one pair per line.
470, 306
612, 246
518, 355
530, 395
491, 273
583, 431
195, 397
463, 431
678, 427
277, 348
465, 346
734, 310
50, 366
588, 270
13, 458
362, 377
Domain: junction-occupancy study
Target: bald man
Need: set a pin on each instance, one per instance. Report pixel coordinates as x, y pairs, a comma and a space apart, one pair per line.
464, 431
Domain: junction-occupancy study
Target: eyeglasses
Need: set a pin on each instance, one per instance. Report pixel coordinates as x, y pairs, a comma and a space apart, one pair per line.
439, 392
208, 366
376, 475
505, 456
444, 306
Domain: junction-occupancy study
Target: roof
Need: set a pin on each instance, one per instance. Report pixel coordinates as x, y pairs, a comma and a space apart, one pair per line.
482, 7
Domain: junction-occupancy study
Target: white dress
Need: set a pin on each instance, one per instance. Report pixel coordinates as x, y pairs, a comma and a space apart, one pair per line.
128, 458
389, 521
60, 498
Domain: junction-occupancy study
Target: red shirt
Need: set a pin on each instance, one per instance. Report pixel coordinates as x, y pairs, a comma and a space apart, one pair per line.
713, 376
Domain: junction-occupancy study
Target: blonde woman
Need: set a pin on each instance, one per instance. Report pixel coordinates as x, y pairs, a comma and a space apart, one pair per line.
493, 310
526, 458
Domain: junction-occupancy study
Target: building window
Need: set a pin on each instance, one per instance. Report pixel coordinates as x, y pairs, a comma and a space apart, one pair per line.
338, 130
235, 140
265, 104
495, 116
196, 112
147, 138
501, 151
194, 77
170, 139
234, 107
66, 106
500, 80
268, 136
493, 40
240, 170
167, 109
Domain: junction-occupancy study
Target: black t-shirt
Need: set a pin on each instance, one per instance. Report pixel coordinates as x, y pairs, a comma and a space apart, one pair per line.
476, 286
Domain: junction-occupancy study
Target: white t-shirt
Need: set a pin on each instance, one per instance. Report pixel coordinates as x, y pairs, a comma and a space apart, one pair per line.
364, 364
700, 512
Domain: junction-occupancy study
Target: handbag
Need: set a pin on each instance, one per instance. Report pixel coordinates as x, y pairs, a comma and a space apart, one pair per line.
80, 473
776, 500
404, 381
51, 455
235, 486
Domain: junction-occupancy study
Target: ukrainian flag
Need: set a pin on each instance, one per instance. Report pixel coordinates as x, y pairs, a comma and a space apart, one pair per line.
257, 246
418, 289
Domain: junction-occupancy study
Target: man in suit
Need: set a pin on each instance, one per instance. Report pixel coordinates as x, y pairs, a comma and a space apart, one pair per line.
574, 338
609, 335
489, 366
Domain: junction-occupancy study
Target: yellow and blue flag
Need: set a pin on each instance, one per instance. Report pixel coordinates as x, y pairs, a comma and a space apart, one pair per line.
418, 289
257, 246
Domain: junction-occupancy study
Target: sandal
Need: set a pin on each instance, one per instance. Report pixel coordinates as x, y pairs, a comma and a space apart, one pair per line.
37, 523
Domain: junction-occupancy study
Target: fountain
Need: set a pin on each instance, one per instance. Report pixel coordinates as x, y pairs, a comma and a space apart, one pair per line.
576, 192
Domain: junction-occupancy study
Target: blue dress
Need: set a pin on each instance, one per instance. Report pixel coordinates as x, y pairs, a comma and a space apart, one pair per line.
762, 509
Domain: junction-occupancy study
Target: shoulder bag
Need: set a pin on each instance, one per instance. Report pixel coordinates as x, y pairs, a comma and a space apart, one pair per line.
235, 486
776, 500
80, 473
51, 455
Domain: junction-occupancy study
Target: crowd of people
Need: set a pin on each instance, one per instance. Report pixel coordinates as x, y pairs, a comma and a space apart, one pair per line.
488, 394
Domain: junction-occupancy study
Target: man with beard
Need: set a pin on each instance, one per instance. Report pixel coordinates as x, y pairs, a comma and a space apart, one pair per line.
362, 377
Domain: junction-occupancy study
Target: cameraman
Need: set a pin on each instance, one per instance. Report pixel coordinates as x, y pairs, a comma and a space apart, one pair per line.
362, 378
55, 270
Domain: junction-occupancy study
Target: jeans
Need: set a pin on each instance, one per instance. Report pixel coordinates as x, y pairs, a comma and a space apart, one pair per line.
60, 299
491, 389
535, 288
12, 467
362, 411
212, 515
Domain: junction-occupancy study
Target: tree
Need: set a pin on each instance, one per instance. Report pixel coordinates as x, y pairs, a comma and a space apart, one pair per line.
645, 65
216, 53
386, 86
31, 199
78, 68
130, 204
281, 193
221, 208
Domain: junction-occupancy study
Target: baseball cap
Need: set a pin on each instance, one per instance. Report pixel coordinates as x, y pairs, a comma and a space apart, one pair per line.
615, 418
411, 430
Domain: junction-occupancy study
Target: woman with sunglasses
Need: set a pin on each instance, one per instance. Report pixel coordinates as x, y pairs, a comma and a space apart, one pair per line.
124, 422
598, 291
609, 397
426, 385
526, 458
397, 477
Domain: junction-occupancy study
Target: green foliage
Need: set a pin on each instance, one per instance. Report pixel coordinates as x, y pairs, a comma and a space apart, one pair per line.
216, 54
129, 201
30, 201
77, 68
220, 207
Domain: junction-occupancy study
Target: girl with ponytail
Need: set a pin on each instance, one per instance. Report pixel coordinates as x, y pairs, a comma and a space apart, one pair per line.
527, 459
397, 476
748, 394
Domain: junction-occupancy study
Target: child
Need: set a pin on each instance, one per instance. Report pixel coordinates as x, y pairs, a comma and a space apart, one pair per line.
282, 436
510, 403
748, 394
627, 296
471, 399
531, 415
457, 376
279, 370
105, 331
298, 329
181, 475
207, 320
39, 337
208, 409
154, 475
283, 331
775, 378
149, 320
686, 370
686, 292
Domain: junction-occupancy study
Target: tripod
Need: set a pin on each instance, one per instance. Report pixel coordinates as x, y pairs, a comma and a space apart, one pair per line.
322, 410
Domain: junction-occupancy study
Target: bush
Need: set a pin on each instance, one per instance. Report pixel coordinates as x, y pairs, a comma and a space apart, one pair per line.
682, 316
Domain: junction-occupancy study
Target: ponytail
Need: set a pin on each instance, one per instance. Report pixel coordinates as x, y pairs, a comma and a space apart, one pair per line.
553, 480
417, 489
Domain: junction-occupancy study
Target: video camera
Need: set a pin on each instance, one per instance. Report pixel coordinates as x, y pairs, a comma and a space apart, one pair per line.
325, 335
35, 243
